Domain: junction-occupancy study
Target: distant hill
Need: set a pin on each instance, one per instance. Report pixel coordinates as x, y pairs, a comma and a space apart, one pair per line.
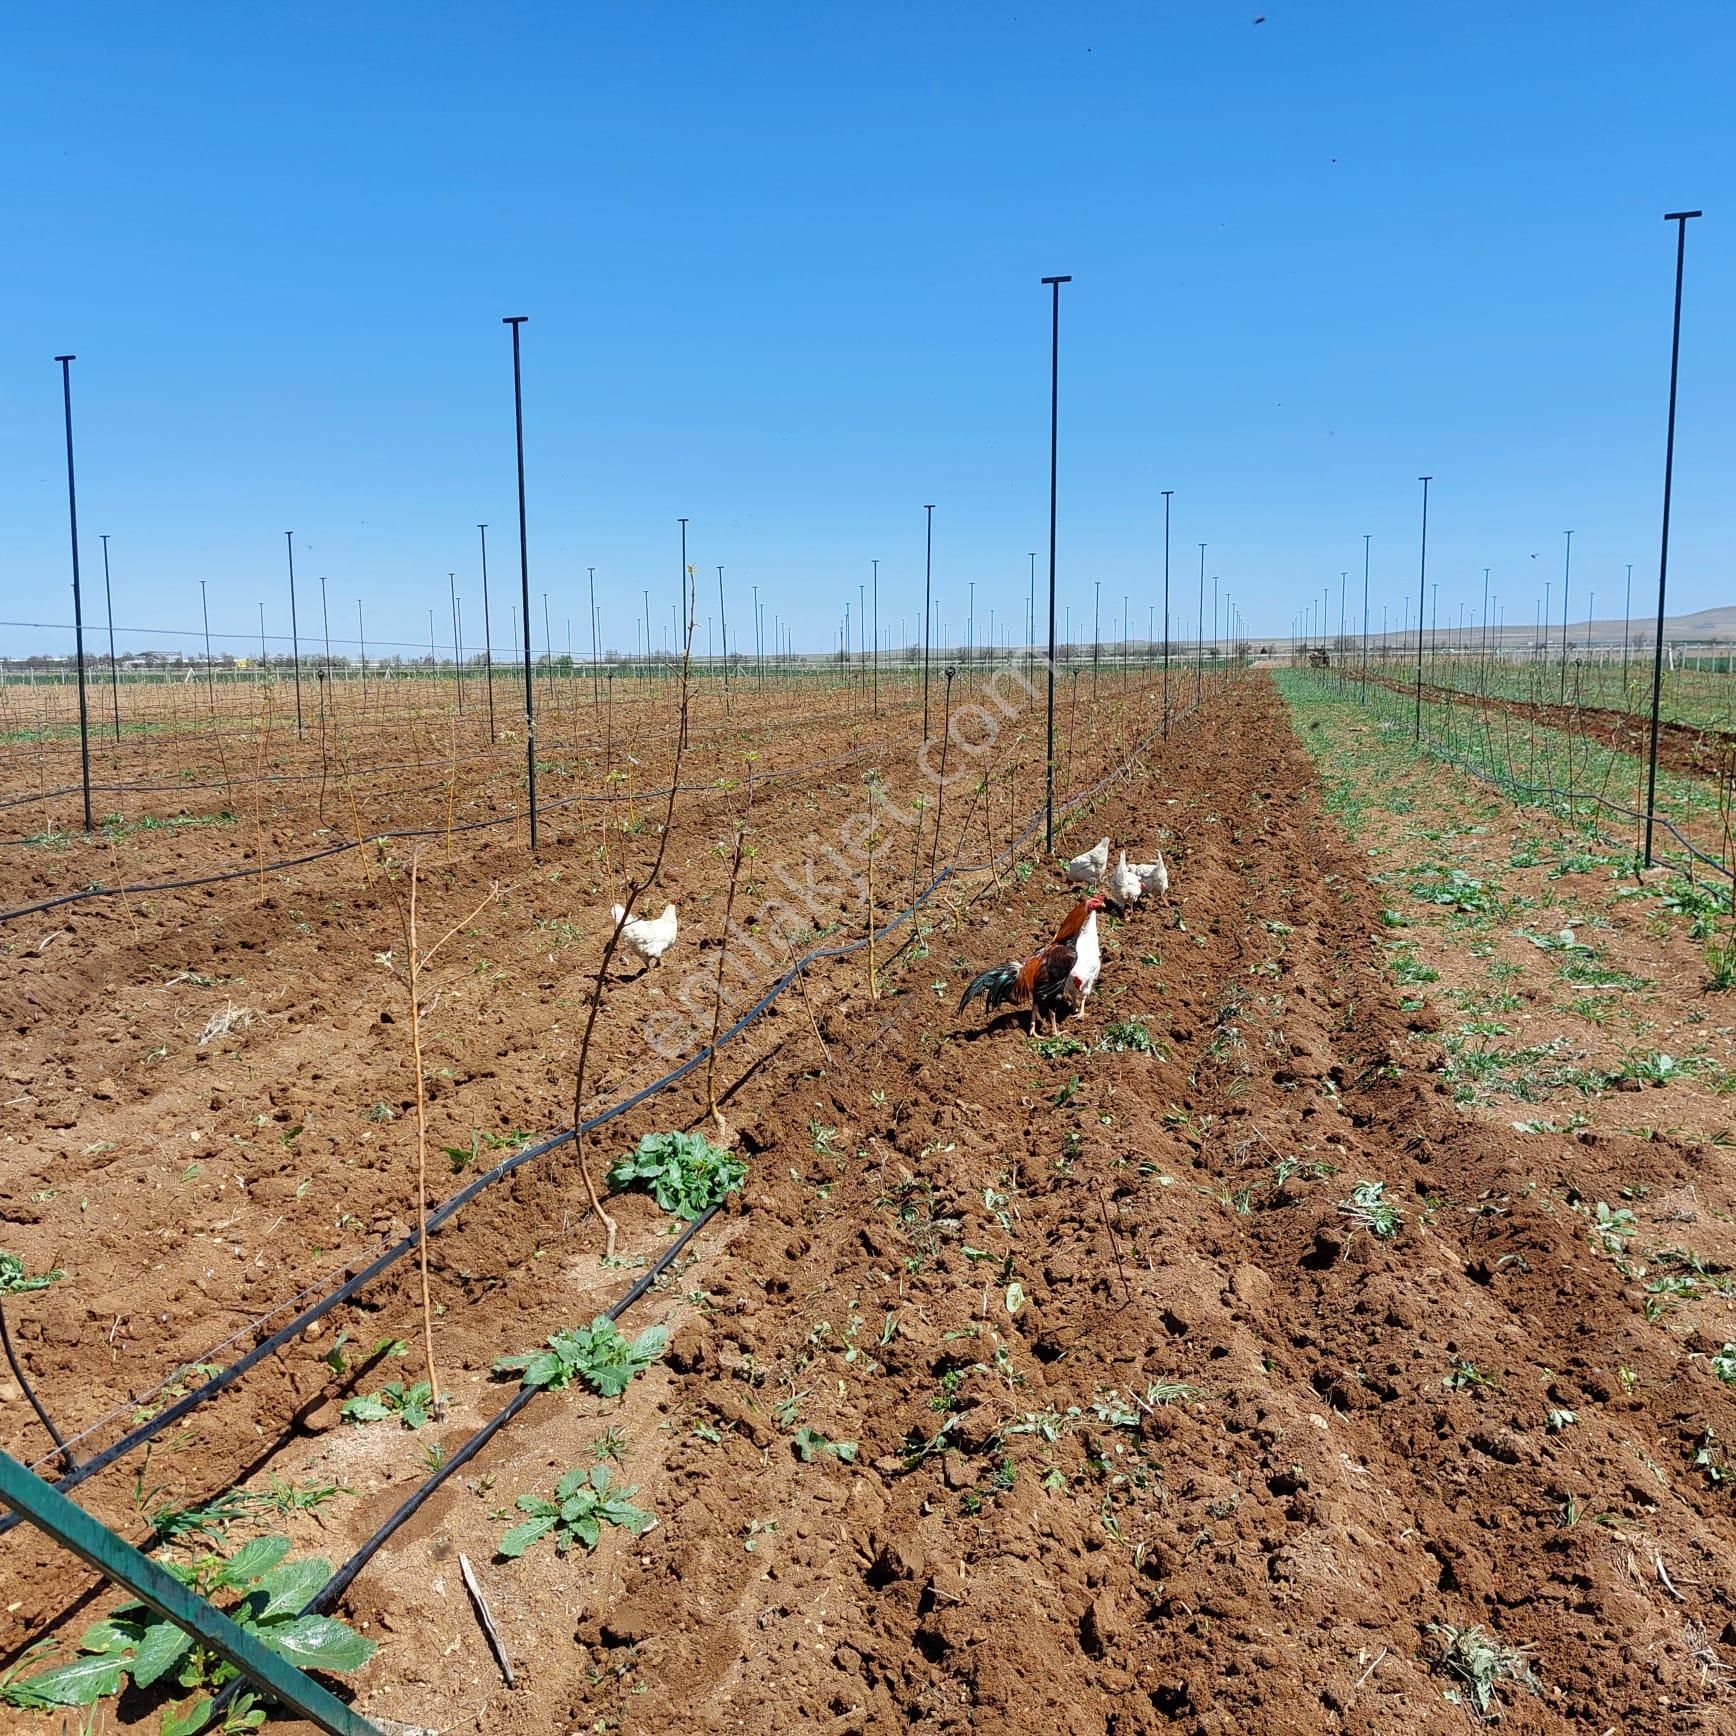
1702, 626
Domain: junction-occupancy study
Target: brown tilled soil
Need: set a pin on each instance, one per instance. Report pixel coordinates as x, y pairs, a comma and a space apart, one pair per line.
1682, 747
1148, 1434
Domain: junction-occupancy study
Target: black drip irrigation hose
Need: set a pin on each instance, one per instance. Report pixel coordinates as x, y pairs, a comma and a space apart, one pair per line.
383, 1262
144, 888
29, 1392
335, 1587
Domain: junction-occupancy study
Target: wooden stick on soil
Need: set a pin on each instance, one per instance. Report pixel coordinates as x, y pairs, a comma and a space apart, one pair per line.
486, 1617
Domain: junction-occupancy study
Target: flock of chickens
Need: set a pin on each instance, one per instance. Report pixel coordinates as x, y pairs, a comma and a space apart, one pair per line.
1057, 978
1061, 975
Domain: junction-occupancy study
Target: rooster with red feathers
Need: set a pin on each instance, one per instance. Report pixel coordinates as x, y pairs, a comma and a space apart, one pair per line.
1046, 980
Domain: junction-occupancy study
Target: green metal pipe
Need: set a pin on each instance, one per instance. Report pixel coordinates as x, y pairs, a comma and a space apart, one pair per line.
43, 1506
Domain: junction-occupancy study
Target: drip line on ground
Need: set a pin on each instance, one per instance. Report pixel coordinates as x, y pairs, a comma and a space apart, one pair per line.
384, 1261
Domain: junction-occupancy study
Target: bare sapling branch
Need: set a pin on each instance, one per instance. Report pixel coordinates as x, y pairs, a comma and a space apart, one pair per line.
814, 1023
258, 789
324, 756
416, 962
636, 889
722, 953
451, 776
120, 883
222, 756
350, 791
919, 803
872, 780
940, 798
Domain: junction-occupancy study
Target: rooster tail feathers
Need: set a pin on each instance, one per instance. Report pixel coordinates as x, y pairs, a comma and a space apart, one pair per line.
994, 985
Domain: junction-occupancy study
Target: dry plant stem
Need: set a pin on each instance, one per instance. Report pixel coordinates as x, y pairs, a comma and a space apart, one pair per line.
222, 758
258, 789
415, 969
989, 845
1072, 728
916, 848
940, 800
126, 902
417, 962
1114, 1243
722, 953
350, 791
324, 757
635, 890
451, 778
868, 844
802, 983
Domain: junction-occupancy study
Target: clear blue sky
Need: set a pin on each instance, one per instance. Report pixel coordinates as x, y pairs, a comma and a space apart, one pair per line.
781, 265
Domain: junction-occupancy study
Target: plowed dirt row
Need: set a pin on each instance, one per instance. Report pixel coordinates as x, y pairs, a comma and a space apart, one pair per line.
1149, 1435
186, 1185
1270, 1554
209, 1094
1682, 747
268, 795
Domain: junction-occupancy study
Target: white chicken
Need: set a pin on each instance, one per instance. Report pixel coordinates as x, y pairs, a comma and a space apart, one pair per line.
647, 937
1087, 870
1087, 965
1125, 883
1153, 876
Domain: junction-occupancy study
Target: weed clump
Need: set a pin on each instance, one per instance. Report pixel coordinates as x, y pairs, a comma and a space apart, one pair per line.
596, 1354
1369, 1209
1477, 1659
685, 1172
584, 1503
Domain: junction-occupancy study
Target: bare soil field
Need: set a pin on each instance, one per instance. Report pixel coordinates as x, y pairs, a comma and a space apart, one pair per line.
1323, 1334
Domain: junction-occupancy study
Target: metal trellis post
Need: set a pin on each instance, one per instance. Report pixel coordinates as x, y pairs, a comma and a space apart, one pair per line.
515, 321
